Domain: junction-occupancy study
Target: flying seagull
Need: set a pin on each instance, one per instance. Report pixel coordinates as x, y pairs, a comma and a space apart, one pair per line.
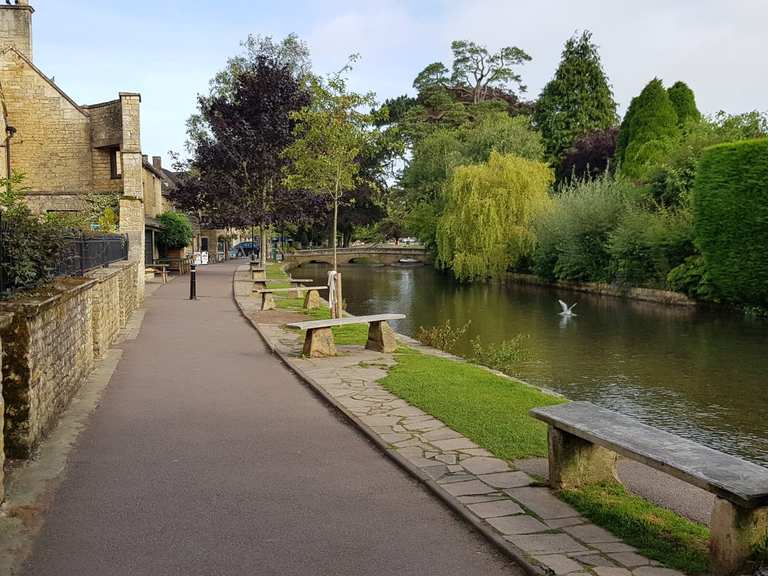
567, 310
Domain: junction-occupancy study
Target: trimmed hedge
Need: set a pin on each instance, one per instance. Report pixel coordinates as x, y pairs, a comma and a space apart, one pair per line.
731, 219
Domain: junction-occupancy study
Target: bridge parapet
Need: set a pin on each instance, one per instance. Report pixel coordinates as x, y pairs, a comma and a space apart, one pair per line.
386, 255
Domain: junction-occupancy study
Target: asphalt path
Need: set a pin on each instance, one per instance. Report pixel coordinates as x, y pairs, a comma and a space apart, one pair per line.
207, 457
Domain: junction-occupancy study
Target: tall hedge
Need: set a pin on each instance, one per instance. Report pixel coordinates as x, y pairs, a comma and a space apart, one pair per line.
731, 219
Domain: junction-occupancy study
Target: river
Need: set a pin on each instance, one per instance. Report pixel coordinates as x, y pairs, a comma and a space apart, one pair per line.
699, 374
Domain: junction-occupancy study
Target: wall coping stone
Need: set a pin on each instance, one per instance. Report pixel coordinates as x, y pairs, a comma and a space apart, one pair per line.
32, 306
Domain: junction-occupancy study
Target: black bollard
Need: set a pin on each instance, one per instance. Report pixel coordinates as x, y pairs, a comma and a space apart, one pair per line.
193, 282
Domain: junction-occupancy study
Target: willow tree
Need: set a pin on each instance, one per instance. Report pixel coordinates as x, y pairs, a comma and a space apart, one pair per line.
330, 134
487, 224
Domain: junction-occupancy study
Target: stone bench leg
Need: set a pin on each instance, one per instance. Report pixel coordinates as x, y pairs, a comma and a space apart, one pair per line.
267, 301
312, 300
574, 462
319, 343
295, 293
258, 275
381, 338
735, 532
259, 285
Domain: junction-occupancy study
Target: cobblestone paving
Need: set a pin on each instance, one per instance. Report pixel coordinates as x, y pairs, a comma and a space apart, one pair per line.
547, 531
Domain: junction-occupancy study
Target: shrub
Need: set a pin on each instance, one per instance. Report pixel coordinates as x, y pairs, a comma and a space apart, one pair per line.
443, 337
646, 245
505, 356
590, 155
572, 237
691, 278
175, 230
730, 203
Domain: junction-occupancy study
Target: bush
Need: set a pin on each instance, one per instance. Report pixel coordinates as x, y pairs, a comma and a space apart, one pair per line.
730, 203
684, 101
590, 155
505, 356
444, 337
31, 244
646, 245
572, 237
691, 278
175, 230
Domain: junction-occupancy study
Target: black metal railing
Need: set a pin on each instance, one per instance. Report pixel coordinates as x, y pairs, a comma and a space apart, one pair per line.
82, 253
79, 253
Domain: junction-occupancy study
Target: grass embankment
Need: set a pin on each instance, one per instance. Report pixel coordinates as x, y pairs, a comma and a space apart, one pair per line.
492, 411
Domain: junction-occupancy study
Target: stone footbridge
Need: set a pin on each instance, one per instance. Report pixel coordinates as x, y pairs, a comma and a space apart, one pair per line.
385, 255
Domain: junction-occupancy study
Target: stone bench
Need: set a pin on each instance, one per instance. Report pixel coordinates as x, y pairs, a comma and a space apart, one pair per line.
585, 441
311, 299
319, 341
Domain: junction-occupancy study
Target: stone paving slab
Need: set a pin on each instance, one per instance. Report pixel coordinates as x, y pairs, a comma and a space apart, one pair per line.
548, 532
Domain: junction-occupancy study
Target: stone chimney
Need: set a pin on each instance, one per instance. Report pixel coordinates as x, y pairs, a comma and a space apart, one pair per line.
16, 26
157, 162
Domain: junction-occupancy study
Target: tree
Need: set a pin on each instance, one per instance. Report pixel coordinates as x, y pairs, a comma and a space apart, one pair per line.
330, 134
480, 71
240, 133
684, 101
577, 100
651, 132
175, 230
589, 156
487, 223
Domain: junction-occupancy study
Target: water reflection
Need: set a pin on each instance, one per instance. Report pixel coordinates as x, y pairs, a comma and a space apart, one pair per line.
696, 373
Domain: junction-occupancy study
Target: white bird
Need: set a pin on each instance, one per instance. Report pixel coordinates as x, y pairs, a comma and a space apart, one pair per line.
567, 310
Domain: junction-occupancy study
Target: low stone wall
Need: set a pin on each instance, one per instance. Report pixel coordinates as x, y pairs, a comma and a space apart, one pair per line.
51, 345
5, 320
643, 294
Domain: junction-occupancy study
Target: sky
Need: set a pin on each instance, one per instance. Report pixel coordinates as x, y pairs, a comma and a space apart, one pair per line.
168, 50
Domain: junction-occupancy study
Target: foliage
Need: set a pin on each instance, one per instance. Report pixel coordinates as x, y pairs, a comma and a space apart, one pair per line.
647, 245
731, 208
656, 532
443, 337
487, 223
175, 230
672, 180
684, 101
573, 235
589, 156
490, 410
330, 134
238, 136
31, 244
577, 100
651, 132
108, 220
504, 356
480, 71
692, 278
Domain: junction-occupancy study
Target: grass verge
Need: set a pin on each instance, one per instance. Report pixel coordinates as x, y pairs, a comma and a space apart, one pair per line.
656, 532
490, 410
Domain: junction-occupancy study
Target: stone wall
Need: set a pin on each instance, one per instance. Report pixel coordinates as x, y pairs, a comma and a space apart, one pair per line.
16, 27
51, 346
5, 320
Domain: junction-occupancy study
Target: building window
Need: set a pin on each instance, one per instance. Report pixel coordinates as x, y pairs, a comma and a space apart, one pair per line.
115, 164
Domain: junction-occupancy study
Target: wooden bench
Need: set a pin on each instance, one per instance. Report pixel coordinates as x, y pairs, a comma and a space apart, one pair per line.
162, 268
585, 441
319, 341
311, 299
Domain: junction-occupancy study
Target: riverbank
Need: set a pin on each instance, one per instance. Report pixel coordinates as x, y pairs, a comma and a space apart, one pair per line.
490, 411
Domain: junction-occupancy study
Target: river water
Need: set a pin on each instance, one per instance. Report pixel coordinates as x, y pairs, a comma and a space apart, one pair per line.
699, 374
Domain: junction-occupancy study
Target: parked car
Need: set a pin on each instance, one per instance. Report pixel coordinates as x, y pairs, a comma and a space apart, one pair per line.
244, 249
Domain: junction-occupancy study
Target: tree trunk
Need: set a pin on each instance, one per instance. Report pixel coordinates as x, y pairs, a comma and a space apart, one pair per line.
335, 226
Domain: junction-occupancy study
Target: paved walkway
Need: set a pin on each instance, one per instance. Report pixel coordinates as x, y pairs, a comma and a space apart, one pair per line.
207, 457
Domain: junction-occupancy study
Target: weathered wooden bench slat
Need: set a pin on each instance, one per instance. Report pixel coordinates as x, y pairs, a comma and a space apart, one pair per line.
315, 324
731, 478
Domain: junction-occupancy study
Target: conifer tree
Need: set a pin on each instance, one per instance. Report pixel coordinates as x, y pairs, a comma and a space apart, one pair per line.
650, 132
684, 101
577, 100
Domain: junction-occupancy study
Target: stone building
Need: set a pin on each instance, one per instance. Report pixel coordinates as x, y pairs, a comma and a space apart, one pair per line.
67, 151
